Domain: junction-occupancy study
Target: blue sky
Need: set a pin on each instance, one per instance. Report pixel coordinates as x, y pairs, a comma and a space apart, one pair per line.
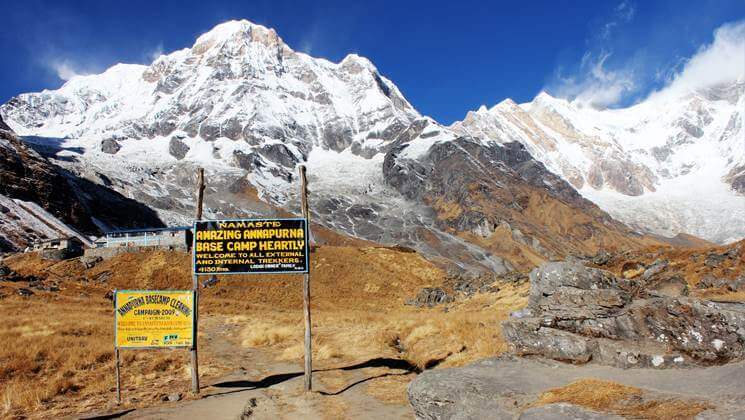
446, 57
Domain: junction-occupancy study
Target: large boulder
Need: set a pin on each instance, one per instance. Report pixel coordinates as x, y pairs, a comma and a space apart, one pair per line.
580, 314
509, 387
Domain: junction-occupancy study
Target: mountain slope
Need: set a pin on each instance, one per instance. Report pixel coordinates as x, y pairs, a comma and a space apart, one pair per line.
674, 163
249, 109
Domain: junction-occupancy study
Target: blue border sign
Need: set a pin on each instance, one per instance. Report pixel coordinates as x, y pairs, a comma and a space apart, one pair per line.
251, 246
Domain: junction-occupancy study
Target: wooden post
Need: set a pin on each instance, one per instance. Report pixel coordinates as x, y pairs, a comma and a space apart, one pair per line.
118, 378
306, 286
116, 359
195, 286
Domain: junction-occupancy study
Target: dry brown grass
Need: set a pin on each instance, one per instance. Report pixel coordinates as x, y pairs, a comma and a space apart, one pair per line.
612, 397
467, 331
60, 361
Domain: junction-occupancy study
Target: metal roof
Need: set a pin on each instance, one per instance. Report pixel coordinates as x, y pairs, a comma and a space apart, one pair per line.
171, 229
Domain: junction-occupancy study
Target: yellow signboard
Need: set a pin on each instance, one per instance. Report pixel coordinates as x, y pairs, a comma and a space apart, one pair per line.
154, 318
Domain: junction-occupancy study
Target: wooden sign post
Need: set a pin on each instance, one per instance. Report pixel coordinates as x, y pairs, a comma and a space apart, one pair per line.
253, 246
306, 287
116, 358
195, 286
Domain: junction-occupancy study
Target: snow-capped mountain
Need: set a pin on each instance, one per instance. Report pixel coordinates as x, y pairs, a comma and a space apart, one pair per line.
674, 163
248, 108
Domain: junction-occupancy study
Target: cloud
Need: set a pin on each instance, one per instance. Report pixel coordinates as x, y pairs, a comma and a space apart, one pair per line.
622, 13
64, 68
722, 61
595, 81
153, 54
595, 85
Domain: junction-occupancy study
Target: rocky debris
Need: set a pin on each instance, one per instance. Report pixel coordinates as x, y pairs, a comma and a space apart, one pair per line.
90, 261
579, 314
25, 292
110, 146
429, 297
507, 387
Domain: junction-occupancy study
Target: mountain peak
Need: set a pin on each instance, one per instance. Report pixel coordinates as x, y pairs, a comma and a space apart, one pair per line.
242, 30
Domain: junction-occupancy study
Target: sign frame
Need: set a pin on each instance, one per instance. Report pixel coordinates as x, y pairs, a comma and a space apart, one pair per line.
193, 319
295, 219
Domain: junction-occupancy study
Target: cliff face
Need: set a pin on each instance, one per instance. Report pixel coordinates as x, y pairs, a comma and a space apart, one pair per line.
27, 176
28, 180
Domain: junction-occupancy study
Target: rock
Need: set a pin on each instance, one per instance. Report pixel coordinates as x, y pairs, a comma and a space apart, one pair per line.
103, 276
90, 262
672, 287
248, 161
528, 337
436, 394
735, 285
656, 268
177, 148
211, 281
711, 282
602, 258
174, 397
25, 292
502, 388
5, 271
429, 297
564, 411
580, 314
279, 154
4, 126
110, 146
714, 260
738, 285
472, 283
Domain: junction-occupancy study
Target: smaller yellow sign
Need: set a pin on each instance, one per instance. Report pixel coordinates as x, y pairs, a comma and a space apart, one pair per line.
154, 318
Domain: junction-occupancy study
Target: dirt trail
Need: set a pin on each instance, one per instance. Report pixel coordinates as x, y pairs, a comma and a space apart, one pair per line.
261, 387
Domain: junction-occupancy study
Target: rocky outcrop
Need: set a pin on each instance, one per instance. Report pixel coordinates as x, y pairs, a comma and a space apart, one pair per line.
579, 314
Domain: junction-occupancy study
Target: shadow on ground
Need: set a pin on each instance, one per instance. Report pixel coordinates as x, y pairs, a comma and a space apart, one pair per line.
272, 380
